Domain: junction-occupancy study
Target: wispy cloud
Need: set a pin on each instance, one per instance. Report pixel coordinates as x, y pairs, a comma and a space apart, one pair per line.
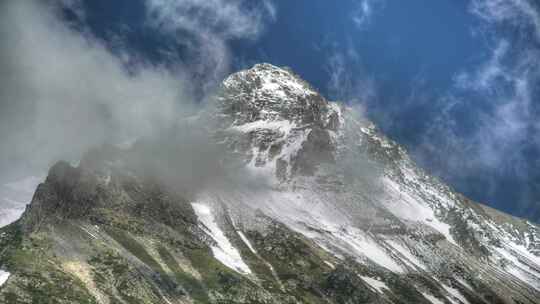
347, 81
206, 26
505, 81
521, 13
347, 85
501, 127
486, 75
493, 102
363, 13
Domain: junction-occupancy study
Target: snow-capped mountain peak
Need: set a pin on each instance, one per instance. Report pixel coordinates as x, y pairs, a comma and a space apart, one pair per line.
281, 117
344, 215
385, 216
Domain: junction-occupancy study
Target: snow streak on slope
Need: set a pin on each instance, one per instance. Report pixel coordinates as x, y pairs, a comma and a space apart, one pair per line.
3, 277
376, 284
223, 250
432, 299
410, 259
354, 240
246, 241
455, 294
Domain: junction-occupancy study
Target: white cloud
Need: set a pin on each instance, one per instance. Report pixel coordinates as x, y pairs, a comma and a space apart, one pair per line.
502, 129
210, 25
343, 84
362, 15
505, 84
226, 19
507, 79
485, 77
62, 91
346, 80
515, 12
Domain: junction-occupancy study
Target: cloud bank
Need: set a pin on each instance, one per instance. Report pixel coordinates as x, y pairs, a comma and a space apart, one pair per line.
63, 90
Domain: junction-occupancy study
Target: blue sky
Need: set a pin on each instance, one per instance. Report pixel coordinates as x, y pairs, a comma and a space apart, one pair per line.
456, 82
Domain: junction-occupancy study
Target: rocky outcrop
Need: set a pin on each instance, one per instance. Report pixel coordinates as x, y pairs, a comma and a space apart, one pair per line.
67, 193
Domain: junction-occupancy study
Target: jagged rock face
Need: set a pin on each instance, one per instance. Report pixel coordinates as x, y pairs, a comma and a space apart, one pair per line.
281, 122
267, 93
343, 216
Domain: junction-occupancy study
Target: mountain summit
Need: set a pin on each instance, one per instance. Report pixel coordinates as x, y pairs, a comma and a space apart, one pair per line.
288, 126
310, 204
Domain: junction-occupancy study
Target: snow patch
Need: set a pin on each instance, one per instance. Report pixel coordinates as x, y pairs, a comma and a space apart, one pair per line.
276, 81
223, 251
87, 230
246, 241
432, 299
284, 126
455, 293
403, 205
330, 265
376, 284
367, 247
4, 275
407, 254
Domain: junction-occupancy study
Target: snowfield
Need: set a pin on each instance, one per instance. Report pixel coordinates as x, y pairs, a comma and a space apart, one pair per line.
376, 284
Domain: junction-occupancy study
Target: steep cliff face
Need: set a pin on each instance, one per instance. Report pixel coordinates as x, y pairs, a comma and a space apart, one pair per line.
327, 210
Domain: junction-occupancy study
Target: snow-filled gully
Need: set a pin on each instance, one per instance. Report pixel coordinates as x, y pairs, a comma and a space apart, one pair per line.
223, 251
